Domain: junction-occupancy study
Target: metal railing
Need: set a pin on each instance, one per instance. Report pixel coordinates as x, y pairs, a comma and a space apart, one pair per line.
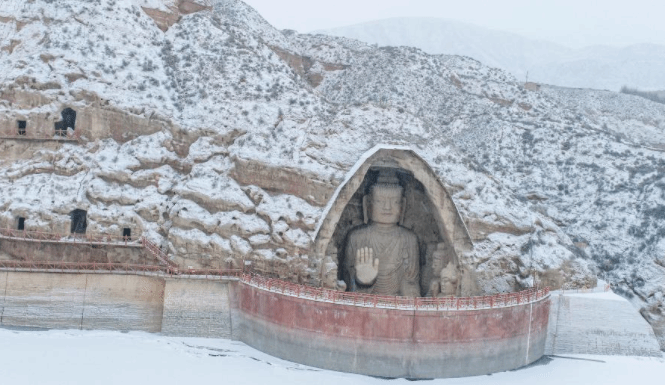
394, 302
165, 264
159, 254
122, 268
31, 135
96, 239
168, 268
52, 266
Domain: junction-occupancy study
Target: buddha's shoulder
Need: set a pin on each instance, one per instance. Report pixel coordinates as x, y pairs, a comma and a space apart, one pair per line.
360, 232
406, 233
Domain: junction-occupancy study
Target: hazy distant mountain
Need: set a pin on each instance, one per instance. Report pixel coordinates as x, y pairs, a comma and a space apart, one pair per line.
600, 67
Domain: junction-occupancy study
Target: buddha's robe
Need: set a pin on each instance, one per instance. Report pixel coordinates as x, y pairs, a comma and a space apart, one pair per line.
399, 260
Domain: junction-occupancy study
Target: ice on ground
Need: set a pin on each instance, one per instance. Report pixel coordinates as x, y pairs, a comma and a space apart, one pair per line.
105, 357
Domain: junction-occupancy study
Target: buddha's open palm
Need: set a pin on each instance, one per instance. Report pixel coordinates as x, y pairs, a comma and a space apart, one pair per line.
367, 267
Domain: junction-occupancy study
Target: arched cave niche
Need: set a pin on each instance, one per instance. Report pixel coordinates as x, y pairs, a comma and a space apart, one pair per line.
68, 121
429, 212
79, 222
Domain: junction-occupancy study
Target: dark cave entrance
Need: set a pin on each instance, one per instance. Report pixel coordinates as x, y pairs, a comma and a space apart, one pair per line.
21, 224
79, 221
418, 217
127, 234
21, 127
68, 121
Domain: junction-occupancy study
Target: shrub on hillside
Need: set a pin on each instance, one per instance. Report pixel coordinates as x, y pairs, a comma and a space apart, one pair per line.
656, 96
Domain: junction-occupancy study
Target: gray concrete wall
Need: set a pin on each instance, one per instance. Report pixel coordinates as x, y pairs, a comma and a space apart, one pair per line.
123, 302
43, 300
598, 323
197, 308
82, 301
391, 342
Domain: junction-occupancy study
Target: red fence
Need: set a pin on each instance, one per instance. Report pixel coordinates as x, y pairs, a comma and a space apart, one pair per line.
167, 267
391, 302
157, 252
39, 236
80, 266
164, 264
126, 268
15, 133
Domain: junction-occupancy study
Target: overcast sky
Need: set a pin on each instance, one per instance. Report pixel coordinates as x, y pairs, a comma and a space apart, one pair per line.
573, 23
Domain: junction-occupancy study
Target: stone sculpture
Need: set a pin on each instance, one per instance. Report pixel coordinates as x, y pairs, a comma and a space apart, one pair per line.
440, 276
382, 257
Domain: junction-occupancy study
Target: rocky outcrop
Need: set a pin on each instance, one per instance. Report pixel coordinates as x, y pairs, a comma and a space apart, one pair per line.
165, 18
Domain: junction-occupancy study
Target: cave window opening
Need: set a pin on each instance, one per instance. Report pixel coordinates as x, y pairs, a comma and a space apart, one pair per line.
21, 224
68, 121
127, 234
21, 126
79, 222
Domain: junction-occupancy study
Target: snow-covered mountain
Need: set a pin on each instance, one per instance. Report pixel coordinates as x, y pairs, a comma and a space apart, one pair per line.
599, 67
559, 182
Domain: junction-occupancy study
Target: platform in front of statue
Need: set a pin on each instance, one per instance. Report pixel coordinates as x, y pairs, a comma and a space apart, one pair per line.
392, 336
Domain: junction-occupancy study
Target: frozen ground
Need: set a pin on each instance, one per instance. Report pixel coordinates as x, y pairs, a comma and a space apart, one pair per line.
101, 357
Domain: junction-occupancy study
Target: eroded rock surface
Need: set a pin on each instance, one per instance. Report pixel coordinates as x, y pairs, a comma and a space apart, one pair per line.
206, 140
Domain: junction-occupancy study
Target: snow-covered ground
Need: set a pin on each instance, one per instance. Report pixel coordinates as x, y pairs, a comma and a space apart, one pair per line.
101, 357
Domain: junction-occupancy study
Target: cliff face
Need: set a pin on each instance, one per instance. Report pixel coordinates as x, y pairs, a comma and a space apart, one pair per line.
223, 138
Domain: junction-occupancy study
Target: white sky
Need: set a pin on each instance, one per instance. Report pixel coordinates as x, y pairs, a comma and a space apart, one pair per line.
574, 23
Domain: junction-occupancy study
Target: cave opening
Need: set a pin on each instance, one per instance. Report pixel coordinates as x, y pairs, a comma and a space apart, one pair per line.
79, 221
68, 121
21, 224
418, 216
21, 127
127, 234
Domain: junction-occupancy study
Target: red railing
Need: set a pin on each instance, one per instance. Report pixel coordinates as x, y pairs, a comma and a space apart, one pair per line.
168, 267
209, 273
31, 135
158, 253
81, 266
126, 268
392, 302
39, 236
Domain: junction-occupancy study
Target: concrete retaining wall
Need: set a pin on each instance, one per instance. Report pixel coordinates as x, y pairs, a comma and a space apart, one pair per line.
598, 323
389, 342
374, 341
82, 301
197, 308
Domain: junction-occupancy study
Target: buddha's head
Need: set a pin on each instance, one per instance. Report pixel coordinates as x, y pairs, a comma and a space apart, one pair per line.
386, 200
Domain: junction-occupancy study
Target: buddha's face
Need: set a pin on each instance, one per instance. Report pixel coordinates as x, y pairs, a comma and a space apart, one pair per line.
386, 205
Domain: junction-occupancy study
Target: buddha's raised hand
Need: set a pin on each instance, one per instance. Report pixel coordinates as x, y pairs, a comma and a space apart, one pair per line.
367, 267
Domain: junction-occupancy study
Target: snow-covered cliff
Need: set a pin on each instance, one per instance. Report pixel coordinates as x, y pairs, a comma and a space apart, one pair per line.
563, 183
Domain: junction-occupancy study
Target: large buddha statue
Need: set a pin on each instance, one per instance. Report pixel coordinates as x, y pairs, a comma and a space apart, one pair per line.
382, 257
